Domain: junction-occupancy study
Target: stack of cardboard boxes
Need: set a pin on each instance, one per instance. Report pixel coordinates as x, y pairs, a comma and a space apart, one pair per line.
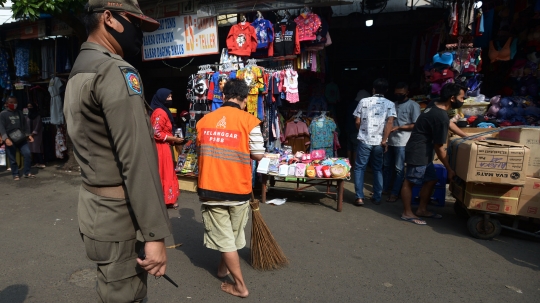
500, 176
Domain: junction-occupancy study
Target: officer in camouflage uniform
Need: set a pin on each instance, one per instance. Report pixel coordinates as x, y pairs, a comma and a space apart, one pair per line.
121, 201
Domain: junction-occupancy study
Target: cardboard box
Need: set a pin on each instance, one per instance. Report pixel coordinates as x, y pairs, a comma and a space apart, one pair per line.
490, 161
470, 131
187, 183
496, 198
529, 202
529, 137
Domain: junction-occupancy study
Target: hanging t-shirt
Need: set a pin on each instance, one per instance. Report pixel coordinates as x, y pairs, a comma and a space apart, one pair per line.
286, 39
22, 61
308, 25
242, 39
264, 32
57, 115
322, 134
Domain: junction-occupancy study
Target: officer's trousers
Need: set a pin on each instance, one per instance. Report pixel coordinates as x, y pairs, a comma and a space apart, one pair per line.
119, 278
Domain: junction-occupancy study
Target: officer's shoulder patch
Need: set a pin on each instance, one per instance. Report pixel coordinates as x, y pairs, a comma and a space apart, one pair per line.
133, 81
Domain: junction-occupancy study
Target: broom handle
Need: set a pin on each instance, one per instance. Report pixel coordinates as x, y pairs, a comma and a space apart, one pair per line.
252, 197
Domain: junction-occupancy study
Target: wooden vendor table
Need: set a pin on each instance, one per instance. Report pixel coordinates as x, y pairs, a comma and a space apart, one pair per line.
309, 182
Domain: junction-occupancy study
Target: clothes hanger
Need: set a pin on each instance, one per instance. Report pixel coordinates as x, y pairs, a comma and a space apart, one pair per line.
259, 15
243, 19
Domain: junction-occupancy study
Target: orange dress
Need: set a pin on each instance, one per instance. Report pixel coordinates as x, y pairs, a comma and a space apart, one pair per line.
169, 182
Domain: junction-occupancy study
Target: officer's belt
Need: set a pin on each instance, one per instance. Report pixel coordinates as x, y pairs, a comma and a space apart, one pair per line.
115, 192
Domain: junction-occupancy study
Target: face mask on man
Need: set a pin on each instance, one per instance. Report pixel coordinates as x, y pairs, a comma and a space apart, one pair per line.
12, 106
400, 97
130, 40
457, 104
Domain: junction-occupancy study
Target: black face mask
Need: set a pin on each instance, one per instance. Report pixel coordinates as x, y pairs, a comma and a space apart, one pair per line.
168, 103
400, 98
457, 104
130, 40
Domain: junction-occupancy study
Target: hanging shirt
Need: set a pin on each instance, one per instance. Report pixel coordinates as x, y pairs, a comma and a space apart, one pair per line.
322, 134
286, 39
308, 26
264, 32
242, 39
57, 116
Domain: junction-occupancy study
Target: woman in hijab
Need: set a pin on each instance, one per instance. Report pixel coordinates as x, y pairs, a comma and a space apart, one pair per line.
34, 124
163, 122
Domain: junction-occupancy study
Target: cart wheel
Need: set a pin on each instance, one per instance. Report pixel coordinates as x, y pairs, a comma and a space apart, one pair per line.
460, 210
484, 229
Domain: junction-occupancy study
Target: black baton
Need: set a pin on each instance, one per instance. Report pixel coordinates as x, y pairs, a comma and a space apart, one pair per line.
142, 256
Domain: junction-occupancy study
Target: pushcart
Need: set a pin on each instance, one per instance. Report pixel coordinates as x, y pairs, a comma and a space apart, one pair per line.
488, 225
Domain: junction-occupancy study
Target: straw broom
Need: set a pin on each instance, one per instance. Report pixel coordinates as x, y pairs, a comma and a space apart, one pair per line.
265, 251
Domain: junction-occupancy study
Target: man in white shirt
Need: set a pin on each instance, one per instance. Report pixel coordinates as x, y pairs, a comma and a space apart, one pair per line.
374, 120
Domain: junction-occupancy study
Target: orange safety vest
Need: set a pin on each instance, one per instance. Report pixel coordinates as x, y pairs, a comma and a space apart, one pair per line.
224, 156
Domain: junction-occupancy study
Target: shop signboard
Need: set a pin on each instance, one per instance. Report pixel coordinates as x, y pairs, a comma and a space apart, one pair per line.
60, 28
181, 36
33, 30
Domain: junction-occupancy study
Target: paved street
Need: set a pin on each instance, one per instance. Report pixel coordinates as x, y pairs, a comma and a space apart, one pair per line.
360, 255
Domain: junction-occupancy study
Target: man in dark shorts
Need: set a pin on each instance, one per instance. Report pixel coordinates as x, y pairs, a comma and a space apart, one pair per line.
428, 136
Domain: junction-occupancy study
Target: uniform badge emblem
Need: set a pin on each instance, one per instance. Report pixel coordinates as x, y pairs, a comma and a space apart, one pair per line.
133, 81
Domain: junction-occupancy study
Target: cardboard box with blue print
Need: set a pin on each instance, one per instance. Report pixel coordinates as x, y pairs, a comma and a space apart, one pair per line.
492, 161
529, 137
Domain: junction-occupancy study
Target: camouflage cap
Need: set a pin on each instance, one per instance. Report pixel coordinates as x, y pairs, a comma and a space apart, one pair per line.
130, 7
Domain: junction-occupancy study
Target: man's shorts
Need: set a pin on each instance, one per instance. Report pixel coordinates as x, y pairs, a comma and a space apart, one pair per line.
420, 174
224, 226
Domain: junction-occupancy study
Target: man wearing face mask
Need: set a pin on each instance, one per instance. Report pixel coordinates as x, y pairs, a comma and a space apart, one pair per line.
227, 139
121, 209
428, 137
14, 133
394, 159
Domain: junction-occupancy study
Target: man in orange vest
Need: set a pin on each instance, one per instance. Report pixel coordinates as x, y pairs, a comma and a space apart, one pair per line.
228, 139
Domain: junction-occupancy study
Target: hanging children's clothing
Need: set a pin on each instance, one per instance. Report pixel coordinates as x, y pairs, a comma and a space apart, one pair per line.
255, 80
297, 136
264, 32
286, 39
322, 134
291, 85
308, 25
242, 39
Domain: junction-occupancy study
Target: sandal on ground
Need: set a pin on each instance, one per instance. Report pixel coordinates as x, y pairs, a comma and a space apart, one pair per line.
432, 216
16, 178
392, 198
358, 202
416, 221
40, 165
174, 206
376, 202
30, 176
